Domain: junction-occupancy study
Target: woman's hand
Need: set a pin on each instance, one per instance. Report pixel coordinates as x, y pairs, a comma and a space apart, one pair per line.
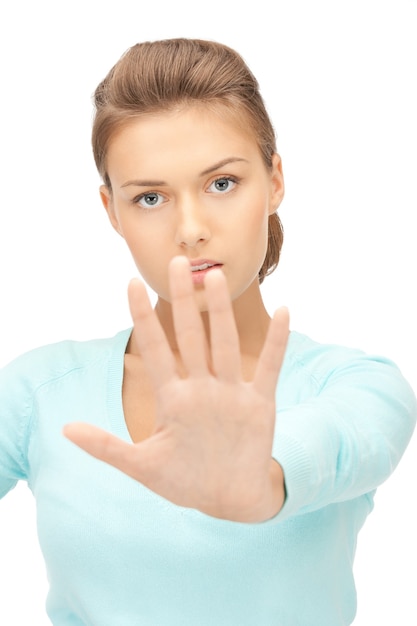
212, 442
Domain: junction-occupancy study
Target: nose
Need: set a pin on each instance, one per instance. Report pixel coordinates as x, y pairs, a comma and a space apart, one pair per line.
192, 227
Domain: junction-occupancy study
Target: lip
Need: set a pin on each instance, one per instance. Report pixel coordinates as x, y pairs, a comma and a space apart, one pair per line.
198, 275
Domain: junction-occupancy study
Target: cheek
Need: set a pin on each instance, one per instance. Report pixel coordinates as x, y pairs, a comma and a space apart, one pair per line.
257, 221
150, 253
146, 251
143, 237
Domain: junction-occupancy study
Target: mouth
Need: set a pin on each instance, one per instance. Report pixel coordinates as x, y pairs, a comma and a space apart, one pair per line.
200, 268
203, 266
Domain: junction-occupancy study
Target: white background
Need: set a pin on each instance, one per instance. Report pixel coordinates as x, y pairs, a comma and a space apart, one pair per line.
339, 79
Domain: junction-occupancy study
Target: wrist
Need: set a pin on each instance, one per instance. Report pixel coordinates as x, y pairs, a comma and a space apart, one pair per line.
265, 509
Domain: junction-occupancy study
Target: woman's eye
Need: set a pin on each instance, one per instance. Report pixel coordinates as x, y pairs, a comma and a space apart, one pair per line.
149, 200
220, 185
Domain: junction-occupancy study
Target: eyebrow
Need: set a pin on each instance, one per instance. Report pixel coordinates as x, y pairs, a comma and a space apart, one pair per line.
222, 163
161, 183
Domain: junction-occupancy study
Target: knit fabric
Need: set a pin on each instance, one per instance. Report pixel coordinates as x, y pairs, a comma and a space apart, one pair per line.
118, 554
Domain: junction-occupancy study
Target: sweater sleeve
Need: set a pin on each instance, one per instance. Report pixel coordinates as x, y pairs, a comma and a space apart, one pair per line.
346, 438
15, 415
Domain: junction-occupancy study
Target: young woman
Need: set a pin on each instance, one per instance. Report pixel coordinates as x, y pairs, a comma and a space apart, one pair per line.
247, 493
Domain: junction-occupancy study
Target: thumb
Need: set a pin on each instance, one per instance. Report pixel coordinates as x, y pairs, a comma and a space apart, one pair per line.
105, 447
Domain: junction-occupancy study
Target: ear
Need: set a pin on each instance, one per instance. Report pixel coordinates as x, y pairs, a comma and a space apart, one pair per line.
277, 184
107, 200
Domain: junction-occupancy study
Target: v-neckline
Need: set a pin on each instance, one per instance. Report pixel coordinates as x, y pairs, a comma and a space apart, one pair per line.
115, 375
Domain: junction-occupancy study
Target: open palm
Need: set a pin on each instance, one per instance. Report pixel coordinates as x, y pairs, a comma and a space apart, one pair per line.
212, 441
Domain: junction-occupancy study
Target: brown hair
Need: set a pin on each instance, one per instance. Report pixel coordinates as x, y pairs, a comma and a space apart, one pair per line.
158, 76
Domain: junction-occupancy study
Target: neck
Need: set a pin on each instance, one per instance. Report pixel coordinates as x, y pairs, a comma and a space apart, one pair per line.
251, 318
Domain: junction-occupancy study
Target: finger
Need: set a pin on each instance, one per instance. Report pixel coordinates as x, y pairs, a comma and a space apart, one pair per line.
188, 325
273, 352
224, 338
105, 447
149, 336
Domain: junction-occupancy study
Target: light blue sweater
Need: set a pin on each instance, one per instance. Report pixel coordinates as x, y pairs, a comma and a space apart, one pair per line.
117, 554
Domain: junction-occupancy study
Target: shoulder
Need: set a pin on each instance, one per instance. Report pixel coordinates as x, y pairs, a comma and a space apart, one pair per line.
312, 368
25, 386
319, 360
50, 362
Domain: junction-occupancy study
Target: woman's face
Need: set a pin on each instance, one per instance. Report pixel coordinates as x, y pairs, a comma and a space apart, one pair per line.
190, 183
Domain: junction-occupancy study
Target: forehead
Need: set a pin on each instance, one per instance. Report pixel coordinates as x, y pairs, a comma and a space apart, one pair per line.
190, 134
210, 114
